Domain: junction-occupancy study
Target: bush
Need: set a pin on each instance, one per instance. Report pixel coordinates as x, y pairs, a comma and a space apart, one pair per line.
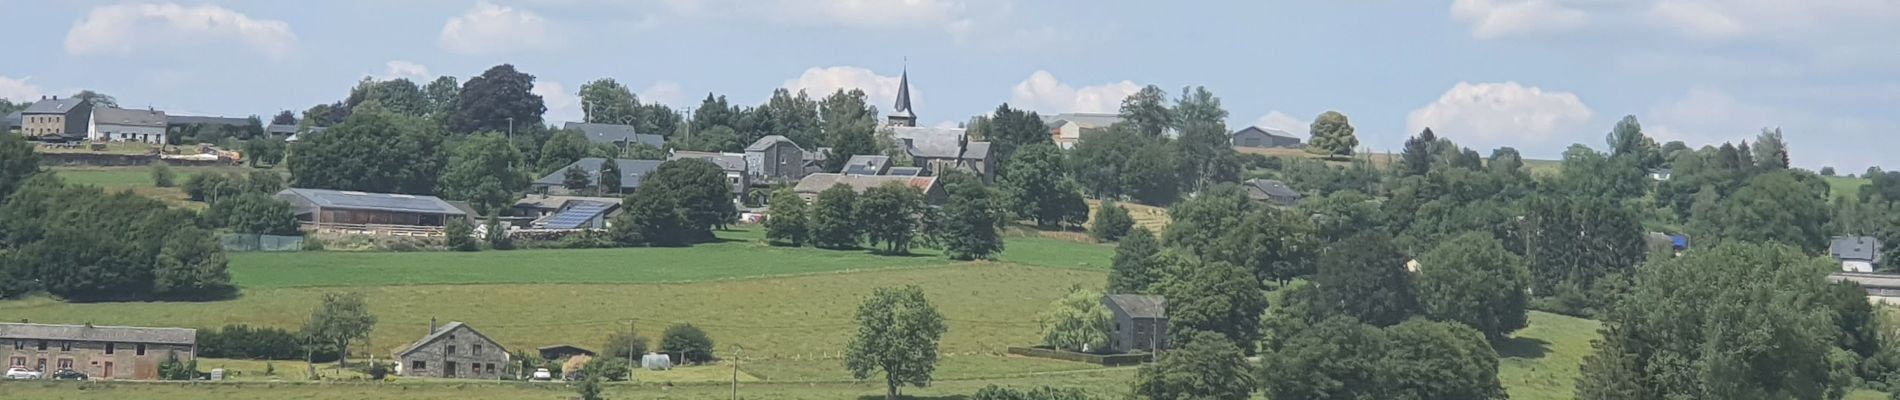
608, 368
687, 343
1112, 222
162, 176
623, 344
173, 370
498, 238
378, 371
461, 236
244, 342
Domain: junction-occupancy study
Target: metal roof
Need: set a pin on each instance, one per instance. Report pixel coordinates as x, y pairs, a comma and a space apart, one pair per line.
631, 172
557, 202
1140, 305
326, 198
1856, 248
53, 106
578, 214
815, 183
1266, 131
120, 116
866, 165
765, 143
281, 129
124, 334
904, 171
202, 120
613, 133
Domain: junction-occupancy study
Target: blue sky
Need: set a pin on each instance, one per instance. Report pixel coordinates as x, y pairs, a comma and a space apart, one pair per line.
1533, 74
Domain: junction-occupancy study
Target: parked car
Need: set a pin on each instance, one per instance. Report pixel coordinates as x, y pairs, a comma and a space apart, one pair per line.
22, 373
69, 375
541, 374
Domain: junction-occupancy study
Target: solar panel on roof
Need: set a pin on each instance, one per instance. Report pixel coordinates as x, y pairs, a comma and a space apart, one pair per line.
575, 216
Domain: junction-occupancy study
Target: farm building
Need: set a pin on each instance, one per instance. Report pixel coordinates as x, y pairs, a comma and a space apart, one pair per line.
326, 208
809, 187
122, 125
1271, 191
100, 352
1258, 137
1067, 129
546, 210
1140, 322
560, 351
454, 350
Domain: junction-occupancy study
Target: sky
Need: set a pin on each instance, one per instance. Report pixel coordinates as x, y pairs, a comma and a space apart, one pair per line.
1537, 75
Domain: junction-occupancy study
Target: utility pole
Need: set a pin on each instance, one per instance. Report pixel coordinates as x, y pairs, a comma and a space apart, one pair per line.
735, 371
630, 338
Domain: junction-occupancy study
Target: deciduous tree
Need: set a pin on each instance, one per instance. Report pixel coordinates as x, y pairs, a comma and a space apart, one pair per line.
371, 152
889, 214
1213, 297
1035, 193
340, 319
606, 101
898, 334
1474, 281
1364, 277
1111, 222
498, 100
788, 223
1076, 322
969, 226
1134, 268
1332, 135
834, 222
481, 170
1209, 367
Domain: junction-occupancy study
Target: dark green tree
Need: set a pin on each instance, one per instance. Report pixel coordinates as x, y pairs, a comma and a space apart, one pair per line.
1276, 245
1784, 206
849, 127
700, 190
18, 162
1207, 155
1010, 129
1151, 175
444, 95
500, 100
1147, 112
889, 214
1111, 222
481, 170
687, 343
898, 334
1332, 135
1200, 223
1134, 268
461, 235
1099, 161
1426, 360
794, 116
1473, 280
1337, 358
1364, 277
497, 235
789, 221
565, 147
1627, 140
576, 179
1209, 367
371, 152
254, 213
1034, 193
339, 320
606, 101
1416, 159
834, 222
650, 217
1213, 297
970, 219
1571, 242
190, 263
1771, 151
1506, 161
610, 176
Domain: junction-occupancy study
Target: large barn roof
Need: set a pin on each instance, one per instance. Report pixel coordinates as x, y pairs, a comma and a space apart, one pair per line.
326, 198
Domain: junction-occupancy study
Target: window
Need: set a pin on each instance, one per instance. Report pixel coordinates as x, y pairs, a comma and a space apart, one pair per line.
65, 363
110, 347
18, 362
491, 368
419, 365
451, 350
474, 349
141, 349
66, 346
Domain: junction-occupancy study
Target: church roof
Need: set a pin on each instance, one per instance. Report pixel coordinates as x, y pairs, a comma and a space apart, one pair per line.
902, 108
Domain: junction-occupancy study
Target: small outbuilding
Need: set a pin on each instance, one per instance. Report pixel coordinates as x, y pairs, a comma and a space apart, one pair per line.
1140, 323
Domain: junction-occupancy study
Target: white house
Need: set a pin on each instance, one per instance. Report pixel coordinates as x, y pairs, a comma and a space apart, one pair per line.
122, 125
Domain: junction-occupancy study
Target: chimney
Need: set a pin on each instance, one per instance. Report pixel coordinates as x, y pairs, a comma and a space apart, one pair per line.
432, 325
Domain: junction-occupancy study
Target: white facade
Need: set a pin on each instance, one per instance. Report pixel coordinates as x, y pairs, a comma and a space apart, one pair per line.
1857, 266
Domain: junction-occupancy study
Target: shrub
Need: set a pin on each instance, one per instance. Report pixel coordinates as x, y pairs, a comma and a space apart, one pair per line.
623, 344
162, 176
244, 342
498, 238
461, 236
608, 368
173, 370
687, 343
377, 371
1112, 222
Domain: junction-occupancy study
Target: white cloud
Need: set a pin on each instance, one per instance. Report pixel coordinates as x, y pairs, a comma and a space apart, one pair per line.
128, 28
493, 29
663, 92
1279, 120
1709, 116
19, 90
880, 90
1498, 18
1043, 93
1488, 114
563, 106
410, 70
1725, 19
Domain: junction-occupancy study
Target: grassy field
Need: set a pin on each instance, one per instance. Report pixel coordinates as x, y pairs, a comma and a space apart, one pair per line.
139, 180
1540, 362
1839, 186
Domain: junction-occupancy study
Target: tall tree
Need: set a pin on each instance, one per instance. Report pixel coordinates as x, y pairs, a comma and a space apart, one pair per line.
650, 217
1134, 268
191, 262
399, 96
371, 152
714, 111
1417, 156
609, 176
1785, 206
1438, 360
1036, 193
98, 100
849, 127
1336, 358
565, 147
1332, 135
1111, 222
1364, 277
1147, 111
1209, 367
1474, 281
1505, 160
834, 222
794, 116
1076, 322
1207, 154
341, 319
1574, 241
500, 100
1733, 321
969, 227
444, 95
889, 214
1151, 175
1276, 245
1011, 129
606, 101
1771, 151
482, 171
898, 334
789, 221
284, 117
1212, 297
1100, 161
700, 189
1627, 140
1199, 223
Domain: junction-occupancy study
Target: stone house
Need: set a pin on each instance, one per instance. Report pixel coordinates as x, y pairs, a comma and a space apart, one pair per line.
453, 351
100, 352
775, 159
56, 118
1140, 323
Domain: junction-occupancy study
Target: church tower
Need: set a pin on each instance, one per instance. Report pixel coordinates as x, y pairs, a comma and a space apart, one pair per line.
901, 114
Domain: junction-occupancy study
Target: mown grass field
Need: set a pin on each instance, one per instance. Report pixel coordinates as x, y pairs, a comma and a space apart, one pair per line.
1841, 186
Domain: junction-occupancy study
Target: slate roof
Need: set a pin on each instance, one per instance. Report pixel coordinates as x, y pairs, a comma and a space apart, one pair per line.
120, 116
53, 106
203, 120
1868, 280
611, 133
765, 143
1086, 120
815, 183
326, 198
866, 165
940, 143
904, 171
1141, 305
726, 161
1273, 188
122, 334
631, 172
444, 331
1855, 248
280, 129
1266, 131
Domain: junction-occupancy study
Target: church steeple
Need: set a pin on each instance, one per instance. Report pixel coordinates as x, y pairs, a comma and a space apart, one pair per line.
901, 113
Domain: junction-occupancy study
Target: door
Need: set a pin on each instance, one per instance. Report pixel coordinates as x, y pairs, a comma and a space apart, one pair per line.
108, 373
448, 370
